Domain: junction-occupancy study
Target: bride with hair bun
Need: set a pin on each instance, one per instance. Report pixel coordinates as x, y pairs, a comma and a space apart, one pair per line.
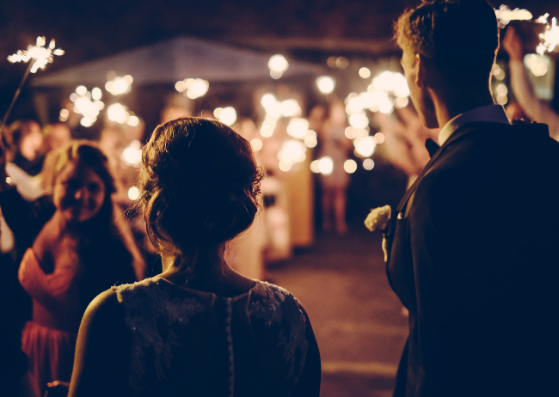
198, 328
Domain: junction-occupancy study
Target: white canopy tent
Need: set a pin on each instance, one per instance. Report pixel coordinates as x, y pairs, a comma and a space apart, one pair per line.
173, 60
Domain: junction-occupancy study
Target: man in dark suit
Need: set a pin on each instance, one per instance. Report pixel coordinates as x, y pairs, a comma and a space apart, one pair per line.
474, 245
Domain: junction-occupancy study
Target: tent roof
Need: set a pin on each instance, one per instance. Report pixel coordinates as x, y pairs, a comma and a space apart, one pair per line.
173, 60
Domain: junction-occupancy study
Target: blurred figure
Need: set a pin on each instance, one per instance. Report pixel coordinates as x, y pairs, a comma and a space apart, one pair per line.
334, 144
535, 108
199, 328
25, 141
56, 136
24, 159
74, 250
405, 141
245, 252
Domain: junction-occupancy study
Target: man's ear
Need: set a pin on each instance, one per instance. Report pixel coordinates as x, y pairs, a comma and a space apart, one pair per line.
421, 75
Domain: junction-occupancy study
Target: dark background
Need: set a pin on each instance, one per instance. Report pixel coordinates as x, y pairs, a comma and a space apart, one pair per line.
309, 30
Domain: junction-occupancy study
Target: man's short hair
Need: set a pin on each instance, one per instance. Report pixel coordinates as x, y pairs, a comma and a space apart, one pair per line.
460, 36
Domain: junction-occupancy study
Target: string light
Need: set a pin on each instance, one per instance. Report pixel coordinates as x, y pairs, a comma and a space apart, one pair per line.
86, 105
278, 65
119, 85
325, 84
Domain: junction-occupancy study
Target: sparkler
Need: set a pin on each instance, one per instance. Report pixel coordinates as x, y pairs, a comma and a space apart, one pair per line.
549, 39
41, 57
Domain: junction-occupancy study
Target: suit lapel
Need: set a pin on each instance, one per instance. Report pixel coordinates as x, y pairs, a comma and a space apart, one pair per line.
457, 135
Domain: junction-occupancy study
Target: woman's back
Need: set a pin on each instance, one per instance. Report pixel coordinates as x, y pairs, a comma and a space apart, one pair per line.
185, 342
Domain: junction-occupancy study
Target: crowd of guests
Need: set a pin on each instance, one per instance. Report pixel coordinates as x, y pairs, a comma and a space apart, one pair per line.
66, 239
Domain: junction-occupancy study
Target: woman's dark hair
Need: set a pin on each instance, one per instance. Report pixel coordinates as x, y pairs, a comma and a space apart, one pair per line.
199, 186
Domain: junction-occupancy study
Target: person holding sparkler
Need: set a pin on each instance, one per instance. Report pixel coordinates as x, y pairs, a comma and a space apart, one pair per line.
472, 246
535, 108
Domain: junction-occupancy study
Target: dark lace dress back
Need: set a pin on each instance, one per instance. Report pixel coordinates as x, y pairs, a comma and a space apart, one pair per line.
187, 342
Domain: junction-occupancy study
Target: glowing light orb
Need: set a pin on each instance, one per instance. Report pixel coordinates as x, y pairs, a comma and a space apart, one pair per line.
256, 144
502, 89
195, 88
117, 113
278, 65
268, 100
359, 120
96, 93
297, 128
292, 151
368, 164
325, 84
133, 193
314, 167
326, 165
285, 166
119, 85
380, 137
228, 115
364, 73
132, 155
87, 121
310, 139
85, 106
538, 64
64, 114
400, 102
365, 147
133, 121
350, 166
290, 108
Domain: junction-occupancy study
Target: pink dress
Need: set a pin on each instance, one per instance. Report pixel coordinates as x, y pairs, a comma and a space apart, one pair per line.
49, 339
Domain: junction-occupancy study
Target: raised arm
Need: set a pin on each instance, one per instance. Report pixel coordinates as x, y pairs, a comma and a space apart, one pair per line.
535, 108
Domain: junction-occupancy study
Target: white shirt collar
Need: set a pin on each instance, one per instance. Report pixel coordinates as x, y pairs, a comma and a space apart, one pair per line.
489, 113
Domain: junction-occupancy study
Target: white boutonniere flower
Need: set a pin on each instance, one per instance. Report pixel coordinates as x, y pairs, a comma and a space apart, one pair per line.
378, 218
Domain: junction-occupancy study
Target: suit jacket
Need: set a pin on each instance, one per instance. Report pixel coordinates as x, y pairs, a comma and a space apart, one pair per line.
474, 257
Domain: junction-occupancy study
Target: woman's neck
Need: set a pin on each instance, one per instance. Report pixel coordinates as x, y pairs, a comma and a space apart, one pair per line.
209, 272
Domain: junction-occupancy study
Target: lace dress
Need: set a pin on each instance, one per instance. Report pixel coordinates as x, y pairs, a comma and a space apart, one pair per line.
192, 343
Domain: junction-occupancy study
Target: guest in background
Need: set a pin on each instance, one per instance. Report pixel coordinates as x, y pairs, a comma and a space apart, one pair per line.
25, 141
74, 250
535, 108
56, 136
334, 144
199, 328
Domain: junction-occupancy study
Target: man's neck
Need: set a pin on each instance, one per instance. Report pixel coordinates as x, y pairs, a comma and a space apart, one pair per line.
447, 109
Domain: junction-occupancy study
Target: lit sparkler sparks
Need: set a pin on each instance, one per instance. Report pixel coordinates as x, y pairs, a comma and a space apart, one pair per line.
549, 38
42, 55
505, 15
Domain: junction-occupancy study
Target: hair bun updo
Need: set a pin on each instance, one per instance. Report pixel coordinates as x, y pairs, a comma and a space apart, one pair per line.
199, 184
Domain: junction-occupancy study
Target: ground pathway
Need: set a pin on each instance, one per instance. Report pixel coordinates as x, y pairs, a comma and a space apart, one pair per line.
357, 319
